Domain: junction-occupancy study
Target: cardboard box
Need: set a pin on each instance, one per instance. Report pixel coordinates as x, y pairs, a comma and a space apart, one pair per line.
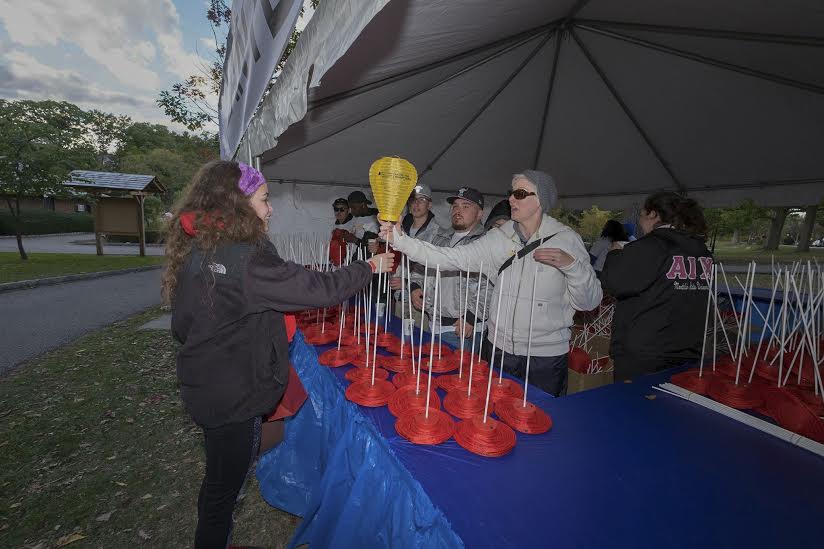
597, 347
578, 382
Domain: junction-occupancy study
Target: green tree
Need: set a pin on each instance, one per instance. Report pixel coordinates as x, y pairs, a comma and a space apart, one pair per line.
171, 167
746, 220
106, 131
40, 143
567, 217
172, 157
592, 222
187, 102
792, 226
746, 217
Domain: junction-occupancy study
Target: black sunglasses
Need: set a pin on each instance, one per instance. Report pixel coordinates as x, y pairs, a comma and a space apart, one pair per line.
520, 194
340, 209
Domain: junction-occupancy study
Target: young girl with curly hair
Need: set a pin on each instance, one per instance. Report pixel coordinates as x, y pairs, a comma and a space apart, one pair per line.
229, 290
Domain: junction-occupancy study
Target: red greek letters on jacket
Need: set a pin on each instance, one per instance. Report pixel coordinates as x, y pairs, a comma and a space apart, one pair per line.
685, 268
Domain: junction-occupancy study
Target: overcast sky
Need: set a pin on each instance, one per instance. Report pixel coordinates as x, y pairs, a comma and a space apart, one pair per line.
113, 55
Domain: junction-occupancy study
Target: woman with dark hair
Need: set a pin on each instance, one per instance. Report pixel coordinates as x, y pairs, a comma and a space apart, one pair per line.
229, 290
612, 232
660, 282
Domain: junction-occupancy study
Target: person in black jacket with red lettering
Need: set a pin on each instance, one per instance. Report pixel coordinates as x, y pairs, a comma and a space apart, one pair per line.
229, 290
661, 283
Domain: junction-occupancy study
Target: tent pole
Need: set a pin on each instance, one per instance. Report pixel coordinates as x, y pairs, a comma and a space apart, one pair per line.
626, 110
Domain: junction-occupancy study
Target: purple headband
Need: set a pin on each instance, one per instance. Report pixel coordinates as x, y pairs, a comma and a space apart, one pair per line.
250, 179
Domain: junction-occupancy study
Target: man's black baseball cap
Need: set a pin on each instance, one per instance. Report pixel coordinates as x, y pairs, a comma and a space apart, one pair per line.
468, 193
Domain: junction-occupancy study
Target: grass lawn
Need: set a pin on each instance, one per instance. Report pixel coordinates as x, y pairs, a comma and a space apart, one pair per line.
95, 447
741, 253
13, 269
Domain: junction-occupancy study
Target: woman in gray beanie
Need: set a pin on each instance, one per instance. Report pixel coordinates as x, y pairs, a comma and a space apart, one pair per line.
531, 246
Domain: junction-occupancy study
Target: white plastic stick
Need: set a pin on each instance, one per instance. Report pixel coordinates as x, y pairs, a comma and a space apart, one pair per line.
388, 292
420, 339
474, 332
326, 268
745, 316
729, 294
366, 320
411, 322
440, 324
432, 341
494, 344
714, 293
764, 329
377, 320
509, 314
463, 321
403, 303
483, 316
706, 325
529, 340
784, 307
342, 322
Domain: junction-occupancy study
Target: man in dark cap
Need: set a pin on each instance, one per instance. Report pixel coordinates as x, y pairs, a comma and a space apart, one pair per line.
365, 224
456, 320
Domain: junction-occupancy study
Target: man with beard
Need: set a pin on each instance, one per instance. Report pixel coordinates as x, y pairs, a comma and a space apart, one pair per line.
466, 211
364, 225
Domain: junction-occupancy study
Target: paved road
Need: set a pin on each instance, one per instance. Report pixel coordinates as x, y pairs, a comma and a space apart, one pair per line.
68, 244
41, 319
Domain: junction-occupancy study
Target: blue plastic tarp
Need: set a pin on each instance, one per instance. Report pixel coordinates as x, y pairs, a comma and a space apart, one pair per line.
336, 471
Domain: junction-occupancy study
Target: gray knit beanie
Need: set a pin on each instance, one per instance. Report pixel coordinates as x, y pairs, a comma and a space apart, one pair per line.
545, 186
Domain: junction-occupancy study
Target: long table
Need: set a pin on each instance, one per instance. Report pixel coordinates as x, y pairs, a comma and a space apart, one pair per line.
623, 466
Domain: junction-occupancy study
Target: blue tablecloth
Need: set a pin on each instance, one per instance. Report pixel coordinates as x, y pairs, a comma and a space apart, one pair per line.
617, 470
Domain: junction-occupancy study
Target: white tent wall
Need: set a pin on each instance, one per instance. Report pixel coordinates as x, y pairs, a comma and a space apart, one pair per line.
719, 99
307, 209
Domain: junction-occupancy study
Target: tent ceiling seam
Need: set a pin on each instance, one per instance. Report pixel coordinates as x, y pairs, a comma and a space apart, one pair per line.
627, 111
520, 37
576, 8
545, 118
787, 40
704, 60
488, 102
494, 55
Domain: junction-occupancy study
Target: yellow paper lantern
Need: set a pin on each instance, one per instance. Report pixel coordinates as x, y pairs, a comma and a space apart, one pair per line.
392, 180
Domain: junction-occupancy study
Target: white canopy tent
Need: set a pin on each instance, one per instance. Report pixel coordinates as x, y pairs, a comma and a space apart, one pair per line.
721, 99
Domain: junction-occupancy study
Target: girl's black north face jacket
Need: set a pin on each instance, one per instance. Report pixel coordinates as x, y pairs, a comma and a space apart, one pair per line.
227, 313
